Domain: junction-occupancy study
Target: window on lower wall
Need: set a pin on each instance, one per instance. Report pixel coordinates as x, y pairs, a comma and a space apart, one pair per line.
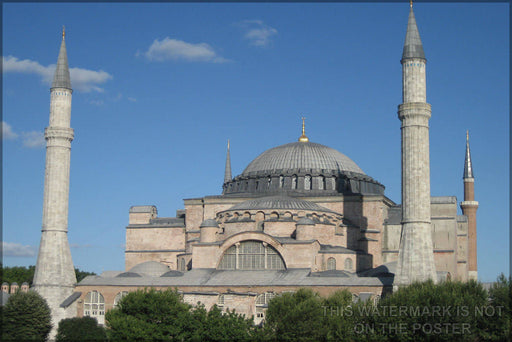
94, 306
331, 264
119, 296
251, 255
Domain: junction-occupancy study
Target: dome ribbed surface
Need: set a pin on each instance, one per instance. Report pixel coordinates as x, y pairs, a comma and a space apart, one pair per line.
278, 202
301, 155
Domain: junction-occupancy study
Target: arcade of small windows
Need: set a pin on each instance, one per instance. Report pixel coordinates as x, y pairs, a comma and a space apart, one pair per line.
94, 306
251, 255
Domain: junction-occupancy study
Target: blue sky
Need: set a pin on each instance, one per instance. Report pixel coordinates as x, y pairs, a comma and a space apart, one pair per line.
160, 88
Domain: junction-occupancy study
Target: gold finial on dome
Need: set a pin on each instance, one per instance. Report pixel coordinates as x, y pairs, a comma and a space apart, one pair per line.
303, 137
63, 31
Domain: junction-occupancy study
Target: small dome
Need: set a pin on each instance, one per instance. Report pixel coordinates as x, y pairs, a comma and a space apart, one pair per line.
150, 268
128, 275
172, 274
209, 223
302, 155
305, 221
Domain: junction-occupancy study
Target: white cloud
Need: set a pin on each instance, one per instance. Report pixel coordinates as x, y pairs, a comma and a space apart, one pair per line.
174, 49
18, 250
81, 79
257, 32
132, 99
33, 139
7, 132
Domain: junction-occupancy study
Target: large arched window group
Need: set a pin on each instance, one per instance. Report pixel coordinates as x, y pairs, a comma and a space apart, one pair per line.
251, 255
94, 306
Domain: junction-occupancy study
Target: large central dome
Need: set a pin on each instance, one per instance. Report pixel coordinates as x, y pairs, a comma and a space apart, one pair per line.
301, 169
301, 156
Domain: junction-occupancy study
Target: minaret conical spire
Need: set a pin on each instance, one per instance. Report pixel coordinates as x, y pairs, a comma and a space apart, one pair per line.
412, 46
227, 172
61, 79
468, 166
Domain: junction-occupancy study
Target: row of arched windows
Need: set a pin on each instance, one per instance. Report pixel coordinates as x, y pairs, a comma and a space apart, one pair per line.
322, 183
94, 305
331, 264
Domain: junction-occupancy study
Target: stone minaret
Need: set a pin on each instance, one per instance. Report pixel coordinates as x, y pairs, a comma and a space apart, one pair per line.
54, 276
469, 207
227, 171
415, 257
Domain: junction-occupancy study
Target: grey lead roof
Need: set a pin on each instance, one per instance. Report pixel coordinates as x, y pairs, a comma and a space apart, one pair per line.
278, 202
412, 47
301, 155
212, 277
61, 79
468, 166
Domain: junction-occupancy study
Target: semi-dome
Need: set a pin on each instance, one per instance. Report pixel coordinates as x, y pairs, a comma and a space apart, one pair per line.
301, 155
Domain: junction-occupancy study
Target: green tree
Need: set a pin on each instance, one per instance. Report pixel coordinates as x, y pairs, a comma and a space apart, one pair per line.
18, 274
297, 316
498, 317
21, 274
26, 316
80, 329
428, 311
82, 274
162, 315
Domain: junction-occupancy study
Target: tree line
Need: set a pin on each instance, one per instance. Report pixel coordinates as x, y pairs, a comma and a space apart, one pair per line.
21, 274
449, 311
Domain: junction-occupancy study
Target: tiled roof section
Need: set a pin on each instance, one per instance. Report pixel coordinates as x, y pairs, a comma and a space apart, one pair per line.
301, 155
212, 277
278, 203
61, 78
412, 46
68, 301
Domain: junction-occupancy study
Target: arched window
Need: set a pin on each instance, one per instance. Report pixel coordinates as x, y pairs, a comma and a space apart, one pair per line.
348, 264
307, 182
263, 299
321, 184
220, 301
251, 255
257, 185
269, 180
281, 181
183, 265
94, 306
331, 264
294, 182
119, 296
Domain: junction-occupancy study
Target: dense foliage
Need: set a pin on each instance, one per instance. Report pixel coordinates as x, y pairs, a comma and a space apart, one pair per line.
449, 311
26, 316
21, 274
149, 315
80, 329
